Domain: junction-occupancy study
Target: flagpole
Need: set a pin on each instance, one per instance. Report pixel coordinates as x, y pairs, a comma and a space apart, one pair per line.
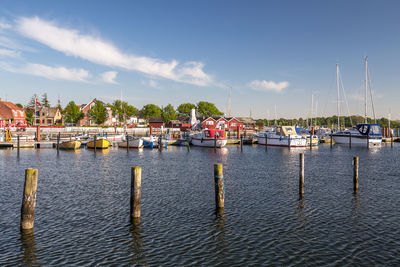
34, 122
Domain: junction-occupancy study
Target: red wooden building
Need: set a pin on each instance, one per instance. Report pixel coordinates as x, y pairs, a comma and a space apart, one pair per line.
227, 124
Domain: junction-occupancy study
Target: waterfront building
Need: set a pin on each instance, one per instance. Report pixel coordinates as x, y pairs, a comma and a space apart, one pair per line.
11, 115
47, 116
86, 121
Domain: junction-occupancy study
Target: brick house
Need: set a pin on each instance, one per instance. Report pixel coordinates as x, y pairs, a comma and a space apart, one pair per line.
86, 121
11, 115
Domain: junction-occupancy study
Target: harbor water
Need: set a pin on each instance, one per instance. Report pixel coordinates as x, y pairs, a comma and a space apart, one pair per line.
82, 213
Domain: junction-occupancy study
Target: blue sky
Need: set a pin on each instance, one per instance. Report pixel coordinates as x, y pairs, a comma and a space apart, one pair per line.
271, 53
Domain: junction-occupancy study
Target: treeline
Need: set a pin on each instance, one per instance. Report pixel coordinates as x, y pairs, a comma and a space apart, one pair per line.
122, 111
345, 121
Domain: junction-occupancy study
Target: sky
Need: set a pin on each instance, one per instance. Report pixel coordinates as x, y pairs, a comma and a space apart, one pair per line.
272, 55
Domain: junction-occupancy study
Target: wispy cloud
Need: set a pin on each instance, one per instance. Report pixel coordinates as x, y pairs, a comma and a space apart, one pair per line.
52, 73
4, 25
361, 96
109, 77
9, 53
268, 85
152, 83
94, 49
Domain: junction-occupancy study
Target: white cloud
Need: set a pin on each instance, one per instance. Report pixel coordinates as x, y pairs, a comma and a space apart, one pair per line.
9, 53
52, 73
361, 96
4, 25
152, 83
94, 49
268, 85
109, 77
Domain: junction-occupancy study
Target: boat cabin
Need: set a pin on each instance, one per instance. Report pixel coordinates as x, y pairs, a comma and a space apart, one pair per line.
286, 130
369, 129
211, 133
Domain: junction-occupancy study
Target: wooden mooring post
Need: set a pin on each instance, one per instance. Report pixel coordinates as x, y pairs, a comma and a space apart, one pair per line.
241, 143
136, 191
187, 143
350, 140
301, 175
95, 142
127, 142
391, 139
219, 185
331, 138
18, 145
58, 141
355, 174
29, 199
266, 141
215, 141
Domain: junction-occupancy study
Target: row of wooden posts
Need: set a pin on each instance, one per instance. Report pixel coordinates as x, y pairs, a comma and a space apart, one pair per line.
31, 178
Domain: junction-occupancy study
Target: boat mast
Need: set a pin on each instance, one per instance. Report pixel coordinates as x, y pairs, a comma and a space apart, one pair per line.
337, 87
312, 104
366, 88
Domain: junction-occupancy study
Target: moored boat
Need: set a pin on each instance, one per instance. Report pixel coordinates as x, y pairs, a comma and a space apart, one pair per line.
209, 138
284, 136
362, 134
305, 133
101, 143
72, 145
132, 143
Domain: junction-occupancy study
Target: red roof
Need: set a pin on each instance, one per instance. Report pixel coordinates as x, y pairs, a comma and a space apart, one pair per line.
6, 109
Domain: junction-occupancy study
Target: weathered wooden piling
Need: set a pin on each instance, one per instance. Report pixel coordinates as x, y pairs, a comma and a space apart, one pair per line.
38, 133
350, 140
188, 143
18, 145
368, 140
331, 138
355, 174
241, 143
127, 142
391, 139
29, 199
58, 141
136, 191
301, 175
219, 185
95, 142
266, 141
311, 136
288, 141
215, 141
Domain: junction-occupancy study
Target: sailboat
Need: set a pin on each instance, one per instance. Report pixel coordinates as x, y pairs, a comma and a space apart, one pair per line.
364, 133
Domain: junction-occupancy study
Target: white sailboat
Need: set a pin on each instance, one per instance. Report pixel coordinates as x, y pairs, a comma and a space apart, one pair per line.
364, 133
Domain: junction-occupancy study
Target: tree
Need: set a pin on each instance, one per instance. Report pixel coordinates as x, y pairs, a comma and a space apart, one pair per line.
98, 113
45, 101
122, 110
19, 105
207, 109
168, 113
72, 113
185, 108
151, 110
29, 116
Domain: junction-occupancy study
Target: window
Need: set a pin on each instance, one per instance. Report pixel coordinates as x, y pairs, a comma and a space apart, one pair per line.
209, 123
37, 121
48, 121
233, 124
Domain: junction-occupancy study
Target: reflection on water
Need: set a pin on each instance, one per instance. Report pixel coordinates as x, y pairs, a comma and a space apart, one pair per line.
83, 205
28, 248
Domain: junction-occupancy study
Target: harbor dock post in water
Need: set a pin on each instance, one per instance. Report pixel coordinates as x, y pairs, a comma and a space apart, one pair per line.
187, 143
219, 185
18, 145
127, 142
136, 191
241, 143
29, 199
331, 138
266, 141
350, 140
311, 136
58, 141
215, 141
355, 174
288, 141
95, 142
301, 175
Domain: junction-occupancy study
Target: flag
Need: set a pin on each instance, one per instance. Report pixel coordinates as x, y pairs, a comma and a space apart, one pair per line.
37, 102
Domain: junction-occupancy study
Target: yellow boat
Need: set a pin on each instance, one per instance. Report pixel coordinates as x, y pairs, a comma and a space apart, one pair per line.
74, 144
101, 143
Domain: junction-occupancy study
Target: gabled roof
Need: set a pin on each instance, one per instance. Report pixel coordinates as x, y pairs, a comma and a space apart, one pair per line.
156, 119
6, 109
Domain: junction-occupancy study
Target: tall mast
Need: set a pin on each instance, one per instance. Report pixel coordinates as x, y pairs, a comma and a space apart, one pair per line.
337, 87
312, 105
229, 102
366, 88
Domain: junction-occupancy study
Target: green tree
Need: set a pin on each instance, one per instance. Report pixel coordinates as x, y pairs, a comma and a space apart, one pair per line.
168, 113
19, 105
207, 109
72, 113
45, 101
185, 108
98, 113
29, 116
151, 110
122, 110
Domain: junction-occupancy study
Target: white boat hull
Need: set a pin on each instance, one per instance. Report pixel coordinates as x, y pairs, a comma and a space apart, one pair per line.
356, 140
209, 142
135, 143
283, 141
